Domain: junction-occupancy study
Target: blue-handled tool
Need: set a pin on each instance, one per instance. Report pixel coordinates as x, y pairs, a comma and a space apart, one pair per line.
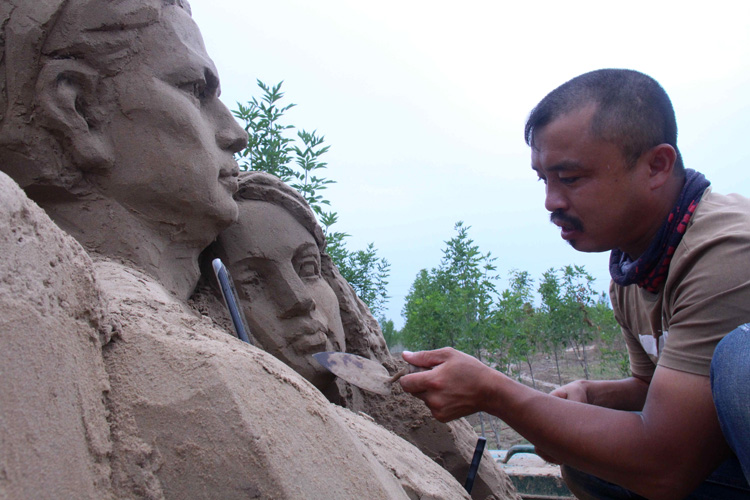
469, 484
231, 300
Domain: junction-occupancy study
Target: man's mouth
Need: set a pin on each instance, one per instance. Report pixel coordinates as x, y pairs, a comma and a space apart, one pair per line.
568, 225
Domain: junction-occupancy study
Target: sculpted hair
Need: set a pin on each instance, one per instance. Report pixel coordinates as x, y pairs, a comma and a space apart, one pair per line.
633, 111
99, 36
261, 186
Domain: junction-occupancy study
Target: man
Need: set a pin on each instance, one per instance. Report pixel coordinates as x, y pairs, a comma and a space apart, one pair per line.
605, 146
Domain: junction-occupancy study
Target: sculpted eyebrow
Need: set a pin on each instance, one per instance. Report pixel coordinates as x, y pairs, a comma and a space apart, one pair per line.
306, 249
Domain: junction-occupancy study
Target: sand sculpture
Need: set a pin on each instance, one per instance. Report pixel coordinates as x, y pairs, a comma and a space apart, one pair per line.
113, 387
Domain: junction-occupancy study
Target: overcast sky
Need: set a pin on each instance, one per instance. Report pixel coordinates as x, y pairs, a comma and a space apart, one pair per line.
424, 103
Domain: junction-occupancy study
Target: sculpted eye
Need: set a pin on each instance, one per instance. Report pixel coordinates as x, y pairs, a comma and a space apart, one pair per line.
309, 268
250, 280
197, 89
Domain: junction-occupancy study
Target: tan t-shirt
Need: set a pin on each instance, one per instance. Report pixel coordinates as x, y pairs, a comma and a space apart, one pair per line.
706, 294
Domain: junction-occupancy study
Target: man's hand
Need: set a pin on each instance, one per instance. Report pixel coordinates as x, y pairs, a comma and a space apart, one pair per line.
454, 387
574, 391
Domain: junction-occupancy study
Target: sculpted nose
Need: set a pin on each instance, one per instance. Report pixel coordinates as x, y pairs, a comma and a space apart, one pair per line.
230, 135
292, 296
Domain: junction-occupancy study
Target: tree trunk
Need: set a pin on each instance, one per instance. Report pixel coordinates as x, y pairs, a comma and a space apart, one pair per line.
557, 365
585, 363
494, 430
531, 372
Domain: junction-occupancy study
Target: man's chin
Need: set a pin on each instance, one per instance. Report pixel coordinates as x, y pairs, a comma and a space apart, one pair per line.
581, 246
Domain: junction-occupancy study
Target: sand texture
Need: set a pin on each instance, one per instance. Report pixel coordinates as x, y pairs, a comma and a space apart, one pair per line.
113, 388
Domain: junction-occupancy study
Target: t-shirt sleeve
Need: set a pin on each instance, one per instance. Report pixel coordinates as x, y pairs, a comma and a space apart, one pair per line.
708, 290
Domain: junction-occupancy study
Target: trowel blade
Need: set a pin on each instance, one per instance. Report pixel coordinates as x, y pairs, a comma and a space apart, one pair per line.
362, 372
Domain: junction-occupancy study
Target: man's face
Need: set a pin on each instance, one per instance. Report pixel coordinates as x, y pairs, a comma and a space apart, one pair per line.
596, 199
290, 308
172, 139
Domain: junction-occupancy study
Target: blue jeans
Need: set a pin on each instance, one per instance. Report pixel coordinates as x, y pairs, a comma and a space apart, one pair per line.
730, 386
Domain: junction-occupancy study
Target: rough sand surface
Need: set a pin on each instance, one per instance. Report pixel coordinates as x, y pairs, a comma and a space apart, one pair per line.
450, 445
54, 436
200, 414
422, 479
113, 388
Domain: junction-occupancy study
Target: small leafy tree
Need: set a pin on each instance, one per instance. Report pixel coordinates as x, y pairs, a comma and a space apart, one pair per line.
518, 320
612, 348
577, 298
452, 305
390, 334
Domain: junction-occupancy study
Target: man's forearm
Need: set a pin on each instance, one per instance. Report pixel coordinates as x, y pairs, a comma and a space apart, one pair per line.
620, 446
678, 425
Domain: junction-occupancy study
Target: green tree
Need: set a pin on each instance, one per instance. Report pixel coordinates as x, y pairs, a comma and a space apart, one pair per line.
390, 334
517, 321
553, 319
367, 273
425, 313
578, 297
298, 162
452, 305
612, 348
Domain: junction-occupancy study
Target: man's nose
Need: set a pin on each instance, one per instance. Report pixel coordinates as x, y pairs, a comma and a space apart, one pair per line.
554, 199
292, 295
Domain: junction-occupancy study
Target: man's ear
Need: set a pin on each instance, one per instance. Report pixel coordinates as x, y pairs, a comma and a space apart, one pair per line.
661, 160
66, 91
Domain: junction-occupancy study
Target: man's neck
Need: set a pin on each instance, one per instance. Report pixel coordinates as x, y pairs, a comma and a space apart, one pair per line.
663, 204
161, 250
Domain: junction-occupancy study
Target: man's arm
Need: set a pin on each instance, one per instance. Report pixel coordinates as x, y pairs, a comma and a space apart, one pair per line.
664, 452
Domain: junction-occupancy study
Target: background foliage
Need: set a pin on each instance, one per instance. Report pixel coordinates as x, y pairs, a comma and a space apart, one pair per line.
458, 304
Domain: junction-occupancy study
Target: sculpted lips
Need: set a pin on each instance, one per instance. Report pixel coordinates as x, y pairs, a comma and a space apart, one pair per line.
229, 176
311, 337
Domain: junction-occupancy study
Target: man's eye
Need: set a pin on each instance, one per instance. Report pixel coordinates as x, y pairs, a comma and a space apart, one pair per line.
542, 179
568, 180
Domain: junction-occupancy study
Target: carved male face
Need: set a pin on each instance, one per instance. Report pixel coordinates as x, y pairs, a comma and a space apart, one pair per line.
171, 139
290, 307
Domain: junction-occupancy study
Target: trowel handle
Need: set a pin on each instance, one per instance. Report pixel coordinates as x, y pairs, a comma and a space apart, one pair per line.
407, 370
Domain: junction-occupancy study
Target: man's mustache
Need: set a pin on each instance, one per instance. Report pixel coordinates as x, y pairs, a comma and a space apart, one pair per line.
560, 218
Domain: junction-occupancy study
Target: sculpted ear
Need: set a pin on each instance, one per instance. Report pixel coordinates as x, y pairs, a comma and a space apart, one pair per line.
67, 95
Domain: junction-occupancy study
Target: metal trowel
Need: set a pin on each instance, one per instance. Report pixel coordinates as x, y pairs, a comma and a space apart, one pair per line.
362, 372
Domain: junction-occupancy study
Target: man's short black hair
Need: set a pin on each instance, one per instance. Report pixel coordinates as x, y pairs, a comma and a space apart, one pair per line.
633, 110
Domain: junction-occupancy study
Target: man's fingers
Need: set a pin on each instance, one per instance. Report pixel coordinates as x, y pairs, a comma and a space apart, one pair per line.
427, 359
415, 383
560, 393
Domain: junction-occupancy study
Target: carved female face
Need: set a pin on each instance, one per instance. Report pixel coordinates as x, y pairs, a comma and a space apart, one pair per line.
290, 308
